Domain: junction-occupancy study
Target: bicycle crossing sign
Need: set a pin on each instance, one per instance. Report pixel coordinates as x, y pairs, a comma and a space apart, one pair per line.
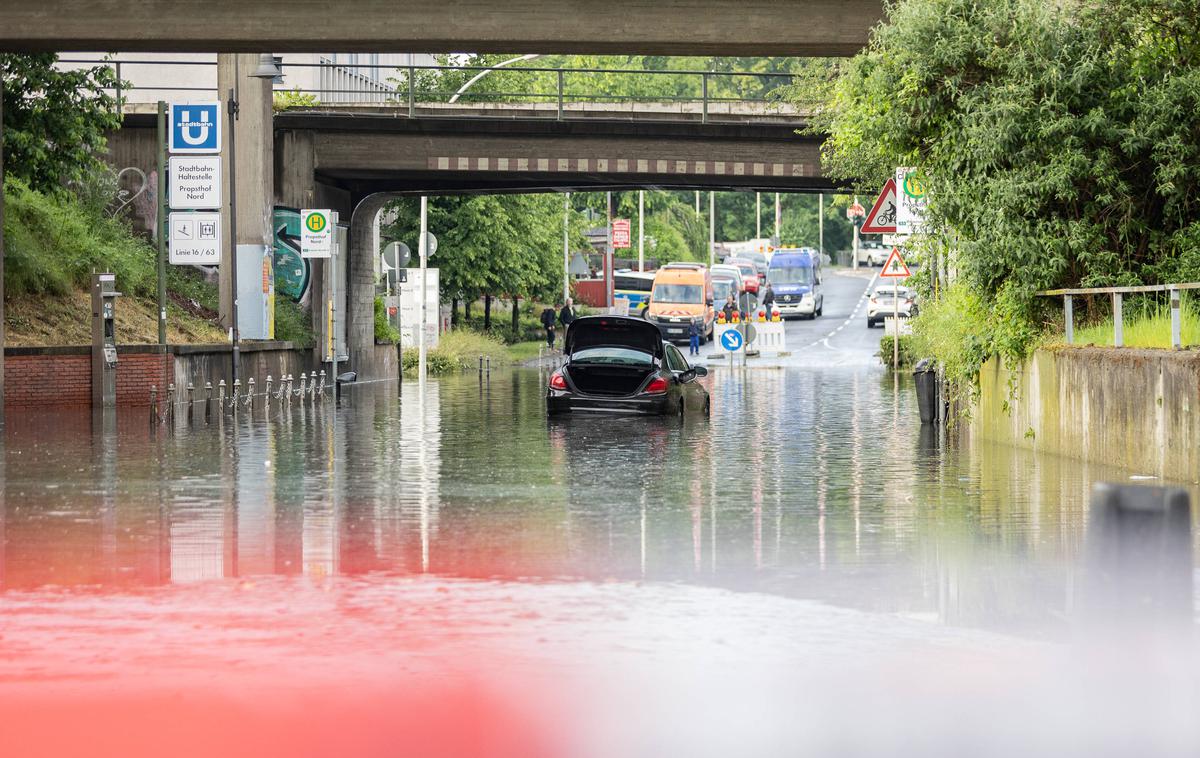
882, 218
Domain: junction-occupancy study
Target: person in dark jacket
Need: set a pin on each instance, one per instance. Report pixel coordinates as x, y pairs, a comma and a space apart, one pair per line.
547, 319
729, 309
567, 314
695, 331
768, 299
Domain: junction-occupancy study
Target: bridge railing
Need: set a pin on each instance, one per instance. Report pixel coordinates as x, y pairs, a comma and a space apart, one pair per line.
496, 91
1118, 295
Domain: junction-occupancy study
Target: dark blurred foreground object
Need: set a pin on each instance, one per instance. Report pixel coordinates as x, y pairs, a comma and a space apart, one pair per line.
1139, 557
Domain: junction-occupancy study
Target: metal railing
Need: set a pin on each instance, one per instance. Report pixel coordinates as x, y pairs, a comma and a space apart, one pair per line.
1118, 298
437, 89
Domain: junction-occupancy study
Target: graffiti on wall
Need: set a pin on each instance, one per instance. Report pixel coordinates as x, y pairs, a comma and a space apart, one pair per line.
292, 273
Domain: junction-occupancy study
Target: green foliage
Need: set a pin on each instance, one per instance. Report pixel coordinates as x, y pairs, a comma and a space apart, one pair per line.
53, 244
458, 350
293, 323
908, 354
1057, 140
54, 120
384, 332
283, 100
497, 244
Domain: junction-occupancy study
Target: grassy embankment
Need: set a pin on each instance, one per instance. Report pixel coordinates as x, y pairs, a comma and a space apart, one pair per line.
1147, 323
53, 244
460, 349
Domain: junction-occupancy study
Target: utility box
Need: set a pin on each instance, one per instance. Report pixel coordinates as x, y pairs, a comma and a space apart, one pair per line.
256, 292
104, 340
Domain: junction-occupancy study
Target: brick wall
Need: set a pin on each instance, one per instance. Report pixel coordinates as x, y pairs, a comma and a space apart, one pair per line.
42, 381
137, 373
58, 381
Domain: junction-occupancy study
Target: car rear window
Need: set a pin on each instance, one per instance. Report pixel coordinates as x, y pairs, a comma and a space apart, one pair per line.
617, 356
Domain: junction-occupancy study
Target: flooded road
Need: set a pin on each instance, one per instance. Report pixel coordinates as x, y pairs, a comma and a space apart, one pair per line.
449, 573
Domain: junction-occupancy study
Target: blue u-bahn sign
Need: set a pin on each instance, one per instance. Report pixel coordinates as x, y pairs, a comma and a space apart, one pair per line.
194, 128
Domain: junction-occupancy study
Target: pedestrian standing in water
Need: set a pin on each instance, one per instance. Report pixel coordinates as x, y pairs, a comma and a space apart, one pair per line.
547, 319
694, 331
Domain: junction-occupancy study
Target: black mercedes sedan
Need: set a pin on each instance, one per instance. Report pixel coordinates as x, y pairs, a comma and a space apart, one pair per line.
622, 365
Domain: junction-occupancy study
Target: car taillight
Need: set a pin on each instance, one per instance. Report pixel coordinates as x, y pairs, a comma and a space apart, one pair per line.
557, 382
657, 386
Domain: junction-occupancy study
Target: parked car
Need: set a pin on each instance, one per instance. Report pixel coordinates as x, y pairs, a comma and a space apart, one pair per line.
749, 271
682, 292
881, 305
623, 365
873, 253
761, 263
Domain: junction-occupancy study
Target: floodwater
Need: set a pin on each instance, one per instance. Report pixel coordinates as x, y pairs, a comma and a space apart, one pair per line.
448, 573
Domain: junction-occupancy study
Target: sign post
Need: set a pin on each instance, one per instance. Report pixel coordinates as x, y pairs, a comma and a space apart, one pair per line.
897, 269
621, 232
855, 213
882, 217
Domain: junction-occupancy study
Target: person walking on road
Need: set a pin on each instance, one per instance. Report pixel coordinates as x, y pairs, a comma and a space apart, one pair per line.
547, 319
695, 330
567, 314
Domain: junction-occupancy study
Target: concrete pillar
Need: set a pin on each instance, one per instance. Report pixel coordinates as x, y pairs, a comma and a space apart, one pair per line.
1, 253
360, 290
255, 172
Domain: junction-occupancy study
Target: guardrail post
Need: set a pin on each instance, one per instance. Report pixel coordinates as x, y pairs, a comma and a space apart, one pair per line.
1176, 326
1118, 320
704, 98
1069, 313
412, 93
560, 94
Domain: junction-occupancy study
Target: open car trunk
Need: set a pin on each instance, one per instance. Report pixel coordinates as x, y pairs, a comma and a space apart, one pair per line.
615, 381
611, 355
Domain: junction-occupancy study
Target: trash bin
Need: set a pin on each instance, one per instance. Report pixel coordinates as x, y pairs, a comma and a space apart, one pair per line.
927, 390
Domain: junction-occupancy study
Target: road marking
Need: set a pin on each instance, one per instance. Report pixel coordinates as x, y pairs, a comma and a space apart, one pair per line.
853, 314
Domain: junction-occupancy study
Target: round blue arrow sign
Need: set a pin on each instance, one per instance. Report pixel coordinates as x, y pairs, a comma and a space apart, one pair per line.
731, 340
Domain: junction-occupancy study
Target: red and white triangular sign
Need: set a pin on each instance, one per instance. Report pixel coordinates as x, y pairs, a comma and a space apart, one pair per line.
895, 266
882, 218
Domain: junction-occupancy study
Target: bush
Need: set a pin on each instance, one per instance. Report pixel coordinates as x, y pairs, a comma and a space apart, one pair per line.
385, 333
293, 323
458, 350
53, 243
908, 354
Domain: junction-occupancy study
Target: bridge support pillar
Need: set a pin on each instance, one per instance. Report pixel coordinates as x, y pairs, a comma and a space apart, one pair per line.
255, 169
360, 291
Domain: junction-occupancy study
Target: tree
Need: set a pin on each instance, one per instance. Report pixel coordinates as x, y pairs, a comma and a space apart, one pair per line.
55, 120
1057, 140
493, 245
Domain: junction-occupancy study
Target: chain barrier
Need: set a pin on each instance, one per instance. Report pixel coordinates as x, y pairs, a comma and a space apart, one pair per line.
311, 387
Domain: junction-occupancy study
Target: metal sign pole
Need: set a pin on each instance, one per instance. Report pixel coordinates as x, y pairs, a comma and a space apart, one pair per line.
641, 230
235, 335
896, 328
333, 277
424, 252
160, 223
566, 246
712, 228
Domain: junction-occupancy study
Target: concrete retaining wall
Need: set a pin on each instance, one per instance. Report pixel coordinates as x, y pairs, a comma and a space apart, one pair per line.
1139, 409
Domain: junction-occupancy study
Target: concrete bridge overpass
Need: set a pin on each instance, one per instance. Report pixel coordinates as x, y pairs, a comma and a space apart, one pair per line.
652, 27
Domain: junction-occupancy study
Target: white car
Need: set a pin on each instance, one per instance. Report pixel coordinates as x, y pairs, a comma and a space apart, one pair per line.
883, 303
874, 256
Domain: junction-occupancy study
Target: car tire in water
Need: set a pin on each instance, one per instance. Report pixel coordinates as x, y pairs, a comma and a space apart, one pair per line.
707, 407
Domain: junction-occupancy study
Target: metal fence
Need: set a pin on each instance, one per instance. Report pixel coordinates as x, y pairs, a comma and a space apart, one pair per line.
539, 91
1118, 307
